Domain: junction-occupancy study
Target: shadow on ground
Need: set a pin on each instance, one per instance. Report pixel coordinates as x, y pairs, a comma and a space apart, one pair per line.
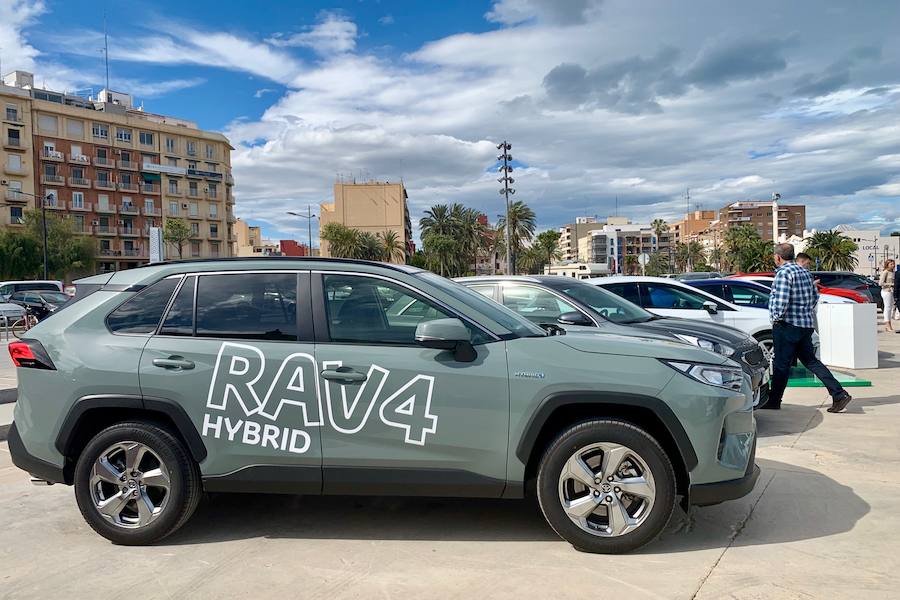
807, 505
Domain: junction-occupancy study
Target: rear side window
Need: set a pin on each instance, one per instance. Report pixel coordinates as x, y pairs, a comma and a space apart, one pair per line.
141, 314
629, 291
251, 306
37, 286
180, 318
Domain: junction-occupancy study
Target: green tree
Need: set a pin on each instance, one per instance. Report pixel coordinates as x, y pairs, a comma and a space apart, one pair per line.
177, 233
744, 248
631, 266
467, 230
521, 227
68, 255
20, 255
834, 251
418, 260
659, 227
392, 248
343, 241
657, 265
441, 252
369, 247
547, 244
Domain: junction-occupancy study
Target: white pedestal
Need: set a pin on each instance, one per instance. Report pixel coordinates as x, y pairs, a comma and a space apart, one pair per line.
848, 335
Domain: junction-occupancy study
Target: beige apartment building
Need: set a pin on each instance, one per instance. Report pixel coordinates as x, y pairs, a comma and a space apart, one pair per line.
574, 233
16, 159
250, 242
373, 207
117, 171
791, 218
692, 226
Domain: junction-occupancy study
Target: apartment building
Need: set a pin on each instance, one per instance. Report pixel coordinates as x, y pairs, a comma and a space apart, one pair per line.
372, 206
16, 159
611, 245
692, 226
249, 241
571, 234
791, 218
116, 171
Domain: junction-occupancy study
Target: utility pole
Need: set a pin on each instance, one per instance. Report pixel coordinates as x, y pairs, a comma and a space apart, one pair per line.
506, 180
775, 198
309, 217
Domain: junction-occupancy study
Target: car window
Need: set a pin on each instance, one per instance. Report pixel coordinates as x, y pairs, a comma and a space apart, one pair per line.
142, 312
661, 295
19, 296
180, 318
37, 286
629, 291
28, 297
747, 296
253, 306
535, 304
610, 306
54, 297
717, 290
485, 290
368, 310
6, 290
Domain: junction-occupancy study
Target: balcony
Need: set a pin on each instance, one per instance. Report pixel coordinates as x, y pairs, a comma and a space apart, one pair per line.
79, 182
212, 195
152, 212
150, 188
193, 215
231, 218
11, 170
109, 252
214, 235
229, 179
207, 174
129, 209
82, 207
176, 193
105, 184
55, 206
15, 196
108, 209
128, 186
52, 155
196, 235
50, 179
14, 143
79, 159
133, 252
214, 216
128, 165
193, 193
129, 231
82, 229
102, 161
177, 213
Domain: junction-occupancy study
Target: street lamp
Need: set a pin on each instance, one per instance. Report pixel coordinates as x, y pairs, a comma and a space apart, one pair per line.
506, 169
309, 217
43, 199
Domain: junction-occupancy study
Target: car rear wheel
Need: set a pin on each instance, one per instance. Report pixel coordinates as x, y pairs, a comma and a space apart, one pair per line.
606, 486
135, 483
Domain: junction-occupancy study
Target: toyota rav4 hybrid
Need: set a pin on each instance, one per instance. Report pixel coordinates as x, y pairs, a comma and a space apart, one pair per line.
322, 376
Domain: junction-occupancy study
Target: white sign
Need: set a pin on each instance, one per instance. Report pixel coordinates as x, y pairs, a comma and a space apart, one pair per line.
157, 249
643, 259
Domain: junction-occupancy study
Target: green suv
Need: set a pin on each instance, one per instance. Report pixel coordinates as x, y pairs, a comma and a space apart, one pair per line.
321, 376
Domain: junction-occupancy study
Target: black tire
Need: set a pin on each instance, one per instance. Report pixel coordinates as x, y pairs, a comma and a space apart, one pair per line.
184, 493
764, 337
582, 435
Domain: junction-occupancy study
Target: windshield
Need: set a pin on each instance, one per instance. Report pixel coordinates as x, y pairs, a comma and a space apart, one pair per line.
609, 305
520, 326
54, 297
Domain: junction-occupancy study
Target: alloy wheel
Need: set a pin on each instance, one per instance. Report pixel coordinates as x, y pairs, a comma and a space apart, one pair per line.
607, 489
129, 484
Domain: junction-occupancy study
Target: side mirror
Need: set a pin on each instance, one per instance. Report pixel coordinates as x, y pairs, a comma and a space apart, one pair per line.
710, 307
446, 334
574, 318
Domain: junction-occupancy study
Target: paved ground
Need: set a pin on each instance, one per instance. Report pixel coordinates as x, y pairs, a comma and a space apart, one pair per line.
823, 522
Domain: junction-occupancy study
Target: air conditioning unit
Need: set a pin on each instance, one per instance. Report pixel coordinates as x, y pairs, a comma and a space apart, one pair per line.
4, 182
121, 222
184, 206
95, 223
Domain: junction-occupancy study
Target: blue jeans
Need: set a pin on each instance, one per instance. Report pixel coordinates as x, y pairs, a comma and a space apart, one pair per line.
792, 342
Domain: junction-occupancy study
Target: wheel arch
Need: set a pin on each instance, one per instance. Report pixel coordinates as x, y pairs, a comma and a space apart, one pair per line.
91, 414
651, 414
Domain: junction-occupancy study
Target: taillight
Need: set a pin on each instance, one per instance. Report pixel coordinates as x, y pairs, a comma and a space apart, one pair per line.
30, 354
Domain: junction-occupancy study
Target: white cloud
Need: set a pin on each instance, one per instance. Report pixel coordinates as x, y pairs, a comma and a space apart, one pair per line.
153, 89
262, 91
333, 34
626, 181
15, 15
386, 20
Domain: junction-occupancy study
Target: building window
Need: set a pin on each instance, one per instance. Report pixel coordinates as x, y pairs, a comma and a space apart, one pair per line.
213, 211
213, 230
100, 130
173, 186
103, 201
13, 137
14, 162
48, 124
75, 129
192, 188
212, 190
148, 205
195, 229
77, 199
146, 138
211, 167
123, 135
192, 148
213, 249
172, 162
193, 209
51, 198
173, 208
195, 249
210, 151
12, 112
170, 144
15, 215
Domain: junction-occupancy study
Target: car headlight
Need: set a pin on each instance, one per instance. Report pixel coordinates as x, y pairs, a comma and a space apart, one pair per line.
718, 348
722, 376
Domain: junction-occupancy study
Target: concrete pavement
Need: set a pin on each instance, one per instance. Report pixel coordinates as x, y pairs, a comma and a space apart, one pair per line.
822, 522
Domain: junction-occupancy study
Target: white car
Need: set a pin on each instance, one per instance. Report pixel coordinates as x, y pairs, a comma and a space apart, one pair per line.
671, 298
766, 280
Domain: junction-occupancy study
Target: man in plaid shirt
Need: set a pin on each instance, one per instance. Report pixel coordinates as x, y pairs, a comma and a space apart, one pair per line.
792, 309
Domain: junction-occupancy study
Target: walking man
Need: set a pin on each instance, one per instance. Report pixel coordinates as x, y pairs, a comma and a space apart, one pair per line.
792, 309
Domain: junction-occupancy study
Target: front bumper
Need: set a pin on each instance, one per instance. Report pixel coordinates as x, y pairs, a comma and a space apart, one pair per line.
36, 467
705, 494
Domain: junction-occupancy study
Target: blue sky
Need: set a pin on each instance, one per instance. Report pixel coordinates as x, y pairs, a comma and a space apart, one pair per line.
603, 100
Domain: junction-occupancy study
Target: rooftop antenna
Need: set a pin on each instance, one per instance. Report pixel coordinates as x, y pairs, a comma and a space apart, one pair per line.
687, 199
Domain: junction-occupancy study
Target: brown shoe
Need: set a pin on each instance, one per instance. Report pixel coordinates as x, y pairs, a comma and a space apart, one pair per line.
840, 403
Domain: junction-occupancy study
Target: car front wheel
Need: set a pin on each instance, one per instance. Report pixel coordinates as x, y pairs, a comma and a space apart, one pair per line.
135, 483
606, 486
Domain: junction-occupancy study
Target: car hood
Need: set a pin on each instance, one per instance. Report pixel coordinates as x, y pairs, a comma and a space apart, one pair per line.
626, 330
696, 328
602, 342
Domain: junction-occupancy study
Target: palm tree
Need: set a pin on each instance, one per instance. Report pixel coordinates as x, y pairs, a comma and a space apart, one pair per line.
547, 245
343, 241
657, 265
440, 252
742, 246
437, 219
659, 227
521, 227
369, 247
834, 250
630, 264
392, 247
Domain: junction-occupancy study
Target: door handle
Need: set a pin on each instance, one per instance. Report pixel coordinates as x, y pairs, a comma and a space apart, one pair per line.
173, 362
345, 374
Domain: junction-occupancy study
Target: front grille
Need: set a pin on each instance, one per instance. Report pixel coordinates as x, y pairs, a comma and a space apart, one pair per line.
753, 357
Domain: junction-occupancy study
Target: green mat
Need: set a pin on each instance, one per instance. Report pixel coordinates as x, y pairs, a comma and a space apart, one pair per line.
802, 378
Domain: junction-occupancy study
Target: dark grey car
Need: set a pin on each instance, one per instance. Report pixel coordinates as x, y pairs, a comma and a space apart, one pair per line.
547, 299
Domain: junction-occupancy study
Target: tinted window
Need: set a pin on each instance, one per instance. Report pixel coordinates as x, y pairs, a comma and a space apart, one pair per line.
629, 291
141, 314
610, 306
37, 286
54, 297
366, 310
180, 318
716, 290
658, 295
747, 296
252, 306
535, 304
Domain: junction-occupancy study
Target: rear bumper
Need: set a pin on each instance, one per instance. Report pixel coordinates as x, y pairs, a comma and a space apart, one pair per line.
38, 468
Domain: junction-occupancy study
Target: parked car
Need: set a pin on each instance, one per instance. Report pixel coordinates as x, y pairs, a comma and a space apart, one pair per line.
848, 280
827, 295
671, 298
689, 276
41, 303
295, 376
9, 314
552, 299
736, 291
8, 288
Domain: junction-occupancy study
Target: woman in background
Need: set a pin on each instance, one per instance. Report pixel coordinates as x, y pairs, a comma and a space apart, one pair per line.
887, 282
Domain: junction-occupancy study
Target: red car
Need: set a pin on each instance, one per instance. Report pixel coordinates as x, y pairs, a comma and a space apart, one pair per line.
831, 291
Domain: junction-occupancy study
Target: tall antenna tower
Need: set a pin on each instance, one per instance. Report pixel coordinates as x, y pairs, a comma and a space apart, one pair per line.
687, 199
106, 51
